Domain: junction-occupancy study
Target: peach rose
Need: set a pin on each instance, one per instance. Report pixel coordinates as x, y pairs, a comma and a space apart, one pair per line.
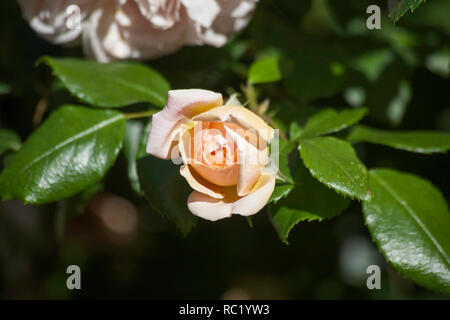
137, 29
224, 149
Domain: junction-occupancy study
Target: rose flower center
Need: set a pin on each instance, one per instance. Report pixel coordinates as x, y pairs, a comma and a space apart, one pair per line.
215, 155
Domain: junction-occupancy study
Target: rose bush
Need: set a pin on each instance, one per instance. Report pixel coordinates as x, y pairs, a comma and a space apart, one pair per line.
137, 29
224, 148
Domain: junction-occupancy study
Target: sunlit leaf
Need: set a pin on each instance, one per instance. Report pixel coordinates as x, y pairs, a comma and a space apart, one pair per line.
329, 121
409, 220
309, 201
110, 85
414, 141
335, 163
69, 152
403, 6
264, 70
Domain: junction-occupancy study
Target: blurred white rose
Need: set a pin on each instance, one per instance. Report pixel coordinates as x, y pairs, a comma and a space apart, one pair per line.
137, 29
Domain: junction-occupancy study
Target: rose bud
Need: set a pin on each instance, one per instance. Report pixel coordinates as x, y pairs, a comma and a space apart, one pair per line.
224, 148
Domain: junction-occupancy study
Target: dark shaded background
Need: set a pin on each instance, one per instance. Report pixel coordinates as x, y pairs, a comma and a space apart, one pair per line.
149, 258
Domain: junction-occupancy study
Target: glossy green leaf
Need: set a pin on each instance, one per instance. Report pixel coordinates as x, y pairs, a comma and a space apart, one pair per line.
309, 201
9, 140
264, 70
281, 190
335, 163
110, 85
409, 220
70, 151
133, 133
404, 6
329, 121
166, 190
414, 141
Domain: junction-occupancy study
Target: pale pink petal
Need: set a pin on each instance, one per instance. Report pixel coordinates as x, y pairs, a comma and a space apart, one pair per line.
119, 31
181, 106
214, 209
195, 180
234, 15
233, 100
161, 14
253, 156
203, 12
240, 116
58, 22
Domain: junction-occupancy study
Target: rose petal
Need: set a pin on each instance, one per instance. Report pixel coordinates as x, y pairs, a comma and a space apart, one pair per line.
195, 180
52, 19
253, 156
201, 185
240, 116
233, 100
181, 105
214, 209
202, 12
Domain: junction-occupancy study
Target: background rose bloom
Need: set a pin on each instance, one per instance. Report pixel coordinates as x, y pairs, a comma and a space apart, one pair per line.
137, 29
224, 151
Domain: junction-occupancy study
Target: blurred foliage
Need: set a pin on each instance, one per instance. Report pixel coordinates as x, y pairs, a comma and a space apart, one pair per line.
328, 58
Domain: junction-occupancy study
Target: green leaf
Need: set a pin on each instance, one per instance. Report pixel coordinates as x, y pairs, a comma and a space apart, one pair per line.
264, 70
402, 7
110, 85
285, 149
295, 131
142, 149
9, 140
409, 220
329, 121
372, 63
334, 163
69, 152
133, 133
283, 187
309, 201
439, 62
166, 190
414, 141
281, 190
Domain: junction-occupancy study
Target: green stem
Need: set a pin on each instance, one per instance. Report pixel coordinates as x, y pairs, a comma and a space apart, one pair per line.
143, 114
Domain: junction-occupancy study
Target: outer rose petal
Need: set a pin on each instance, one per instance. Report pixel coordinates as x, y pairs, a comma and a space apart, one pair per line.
234, 15
138, 29
119, 31
162, 15
181, 105
202, 12
214, 209
48, 18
